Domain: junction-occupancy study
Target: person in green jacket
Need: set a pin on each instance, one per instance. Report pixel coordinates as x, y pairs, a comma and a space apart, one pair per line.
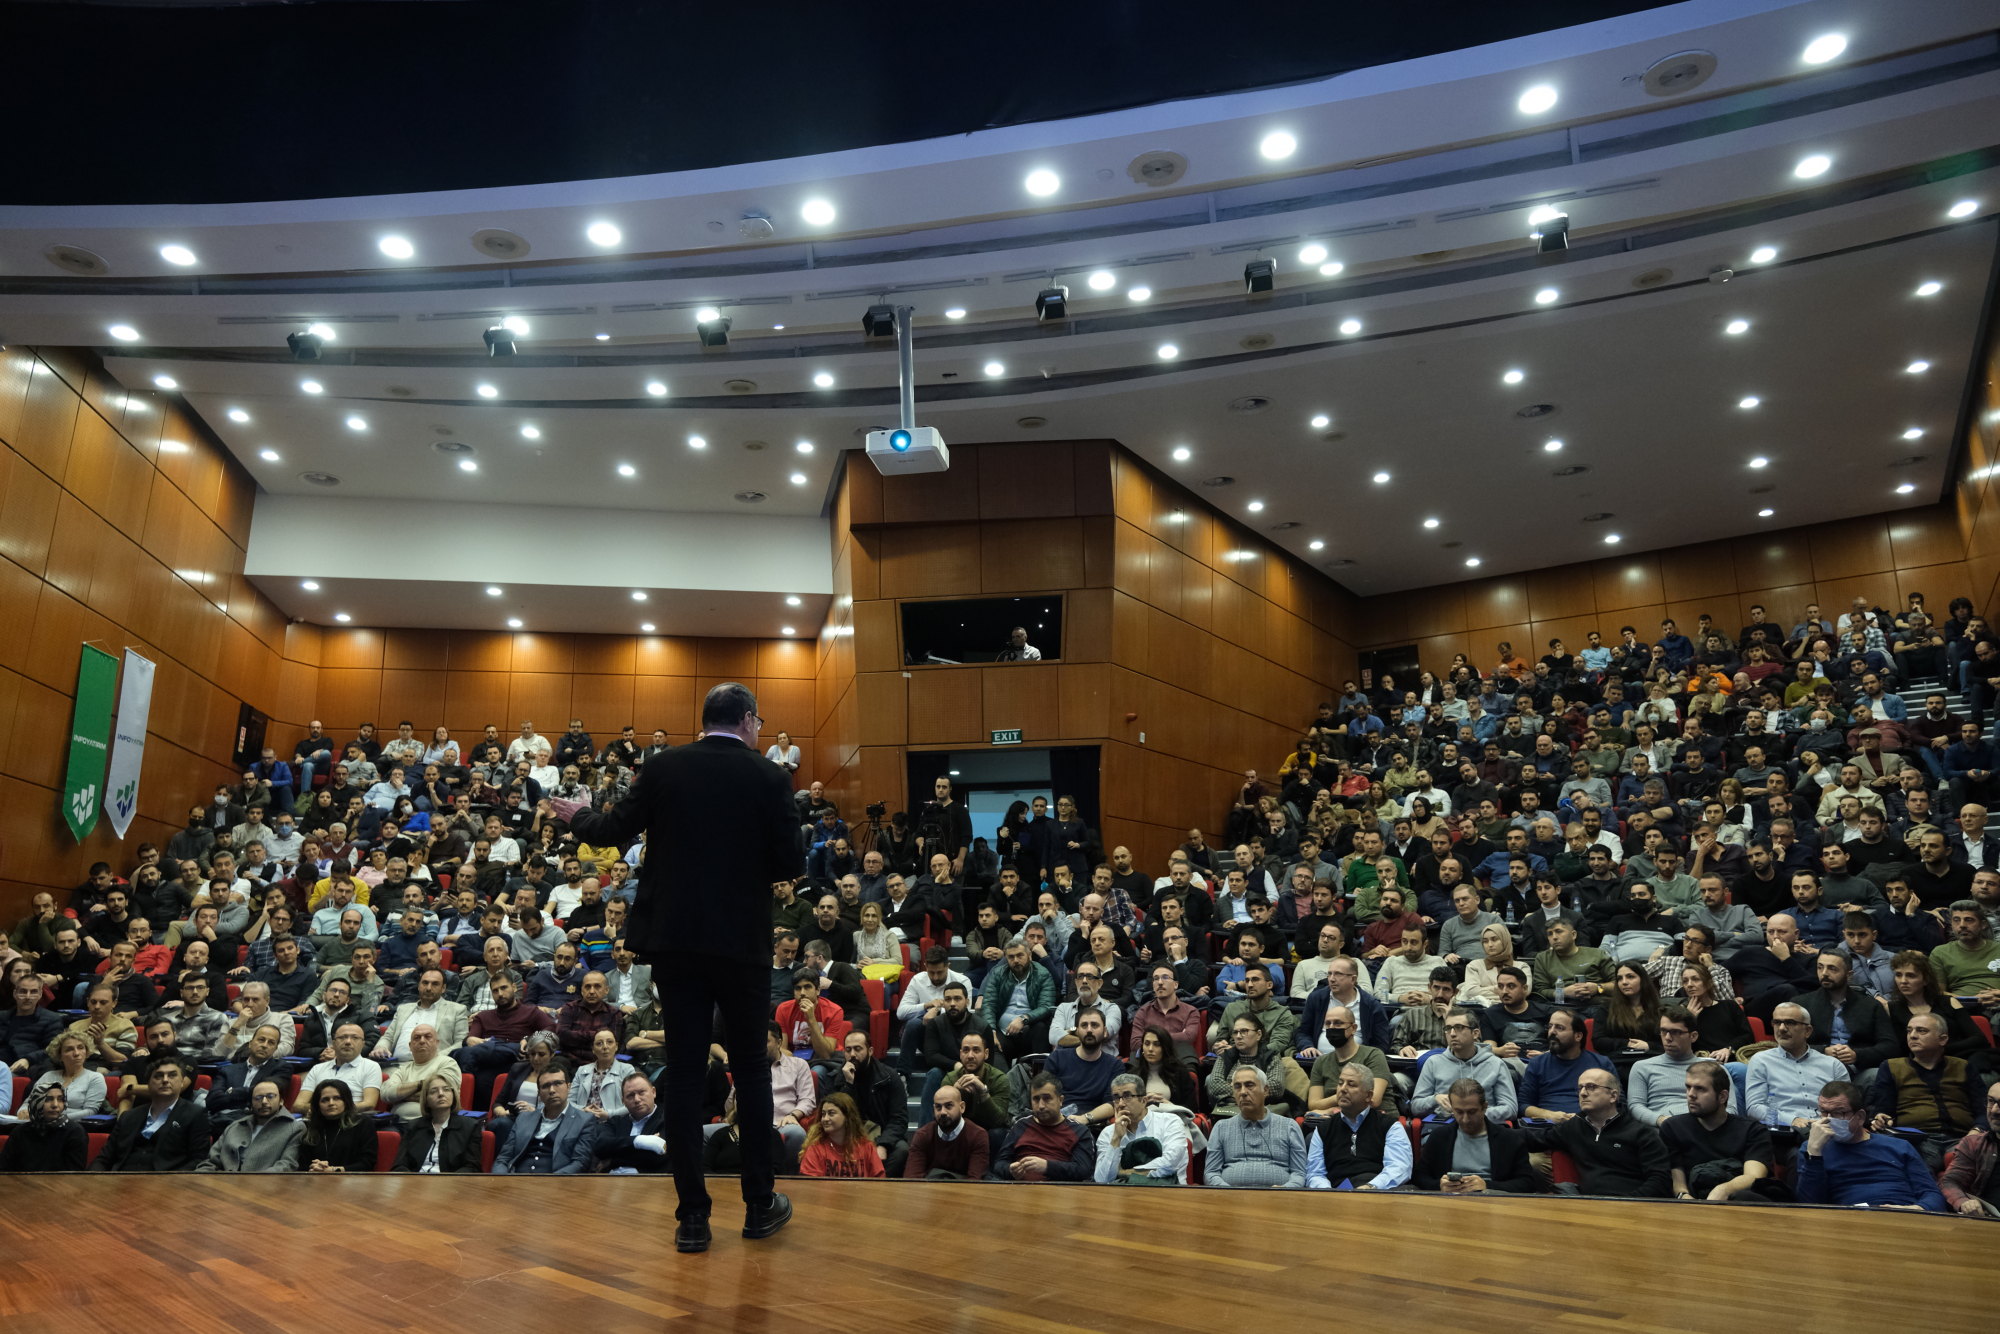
1018, 998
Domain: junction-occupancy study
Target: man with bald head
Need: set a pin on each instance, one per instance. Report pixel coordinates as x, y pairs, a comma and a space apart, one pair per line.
403, 1083
1780, 968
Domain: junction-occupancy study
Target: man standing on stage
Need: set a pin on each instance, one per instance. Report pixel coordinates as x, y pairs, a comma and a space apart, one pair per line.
721, 828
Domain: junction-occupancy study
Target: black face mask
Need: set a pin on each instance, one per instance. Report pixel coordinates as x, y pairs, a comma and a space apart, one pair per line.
1338, 1036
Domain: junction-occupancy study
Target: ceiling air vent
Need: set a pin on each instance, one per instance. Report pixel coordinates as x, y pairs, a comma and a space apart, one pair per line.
1285, 527
1681, 72
75, 259
1218, 480
1653, 278
1571, 471
1257, 342
401, 391
1534, 410
1249, 403
740, 386
500, 243
451, 447
1031, 423
1157, 168
750, 497
1600, 517
319, 478
753, 445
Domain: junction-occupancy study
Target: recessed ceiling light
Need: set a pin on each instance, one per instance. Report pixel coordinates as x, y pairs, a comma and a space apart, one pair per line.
955, 313
656, 389
696, 442
1906, 488
1256, 507
1138, 294
492, 590
824, 379
1315, 253
706, 315
1917, 367
816, 212
1315, 545
1760, 462
513, 622
1537, 99
166, 382
1929, 288
1167, 351
357, 423
798, 479
1431, 523
794, 601
1763, 254
1278, 145
1381, 478
1330, 268
312, 387
531, 432
1964, 208
646, 627
487, 391
1612, 539
786, 630
396, 247
1321, 422
177, 254
1736, 327
1766, 513
1350, 326
1552, 445
995, 368
604, 233
1472, 562
1183, 454
1547, 296
1814, 165
124, 333
638, 595
1824, 48
1513, 377
468, 465
1748, 401
1914, 433
310, 585
342, 617
627, 470
804, 446
238, 415
1103, 280
1042, 182
268, 455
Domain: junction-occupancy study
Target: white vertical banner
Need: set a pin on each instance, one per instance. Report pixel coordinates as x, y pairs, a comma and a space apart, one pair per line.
128, 746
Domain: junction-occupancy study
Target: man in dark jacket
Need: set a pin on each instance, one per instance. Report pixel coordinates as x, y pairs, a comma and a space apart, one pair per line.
1615, 1152
720, 819
631, 1142
1045, 1145
1868, 1038
166, 1133
879, 1092
1473, 1155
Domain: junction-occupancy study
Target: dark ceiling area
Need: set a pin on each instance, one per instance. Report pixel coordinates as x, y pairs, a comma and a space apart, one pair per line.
241, 103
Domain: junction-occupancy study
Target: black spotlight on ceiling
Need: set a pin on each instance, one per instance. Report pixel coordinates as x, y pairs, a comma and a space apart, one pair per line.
305, 345
879, 322
499, 341
1052, 303
1260, 276
1551, 231
713, 331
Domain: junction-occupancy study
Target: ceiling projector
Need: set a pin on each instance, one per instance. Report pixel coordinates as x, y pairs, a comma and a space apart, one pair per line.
908, 449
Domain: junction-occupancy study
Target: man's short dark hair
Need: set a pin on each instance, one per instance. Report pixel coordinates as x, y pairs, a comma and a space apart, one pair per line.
1841, 1088
1466, 1088
959, 987
1443, 973
727, 705
1514, 971
936, 954
1042, 1081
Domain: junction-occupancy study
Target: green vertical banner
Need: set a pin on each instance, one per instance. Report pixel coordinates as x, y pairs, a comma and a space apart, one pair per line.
89, 741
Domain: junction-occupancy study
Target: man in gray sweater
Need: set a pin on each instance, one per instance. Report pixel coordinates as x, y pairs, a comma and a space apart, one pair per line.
1463, 1057
1254, 1147
1458, 937
1658, 1084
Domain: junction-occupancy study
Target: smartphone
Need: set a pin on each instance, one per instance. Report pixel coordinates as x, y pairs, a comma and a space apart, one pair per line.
1454, 1177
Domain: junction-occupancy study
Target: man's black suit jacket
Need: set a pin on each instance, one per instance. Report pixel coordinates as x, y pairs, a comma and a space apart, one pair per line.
1507, 1146
179, 1144
614, 1146
720, 829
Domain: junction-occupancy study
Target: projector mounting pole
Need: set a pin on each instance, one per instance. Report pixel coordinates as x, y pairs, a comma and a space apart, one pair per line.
906, 373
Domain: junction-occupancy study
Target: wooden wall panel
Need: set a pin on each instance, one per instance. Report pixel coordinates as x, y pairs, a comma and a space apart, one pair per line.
1027, 699
474, 699
946, 707
664, 701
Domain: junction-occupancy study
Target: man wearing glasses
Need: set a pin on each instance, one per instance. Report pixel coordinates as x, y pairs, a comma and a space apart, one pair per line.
1089, 984
267, 1140
1785, 1080
1615, 1152
706, 930
1144, 1145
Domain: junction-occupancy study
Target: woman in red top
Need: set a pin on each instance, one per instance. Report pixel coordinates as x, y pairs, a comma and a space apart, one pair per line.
838, 1143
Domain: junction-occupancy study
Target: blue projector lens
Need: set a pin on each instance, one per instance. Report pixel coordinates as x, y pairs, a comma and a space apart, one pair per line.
899, 440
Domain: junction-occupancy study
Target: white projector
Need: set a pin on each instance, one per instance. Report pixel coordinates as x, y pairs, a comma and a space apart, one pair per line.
908, 449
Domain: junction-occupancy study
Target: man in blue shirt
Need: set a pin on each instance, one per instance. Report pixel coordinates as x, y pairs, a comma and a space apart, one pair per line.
1819, 922
1846, 1163
1548, 1089
1678, 647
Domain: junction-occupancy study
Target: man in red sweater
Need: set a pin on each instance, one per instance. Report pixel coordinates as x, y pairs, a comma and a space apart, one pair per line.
1045, 1145
950, 1148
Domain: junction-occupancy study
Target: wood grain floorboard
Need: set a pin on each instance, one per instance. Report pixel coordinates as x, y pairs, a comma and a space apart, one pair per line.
267, 1255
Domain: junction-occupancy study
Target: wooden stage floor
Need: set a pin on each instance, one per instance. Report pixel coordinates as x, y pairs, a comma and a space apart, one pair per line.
298, 1253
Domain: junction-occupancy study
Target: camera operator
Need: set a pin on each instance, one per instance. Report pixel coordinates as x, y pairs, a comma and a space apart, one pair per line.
944, 826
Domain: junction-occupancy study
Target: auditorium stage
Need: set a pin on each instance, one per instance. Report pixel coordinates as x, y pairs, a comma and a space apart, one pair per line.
308, 1254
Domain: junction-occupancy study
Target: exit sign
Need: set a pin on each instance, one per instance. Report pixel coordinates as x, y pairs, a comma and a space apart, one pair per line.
1009, 737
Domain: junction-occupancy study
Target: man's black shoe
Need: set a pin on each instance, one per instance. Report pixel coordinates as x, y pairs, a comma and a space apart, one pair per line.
692, 1235
761, 1221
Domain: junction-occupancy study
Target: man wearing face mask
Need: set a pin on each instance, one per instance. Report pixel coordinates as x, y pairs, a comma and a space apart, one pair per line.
1844, 1162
